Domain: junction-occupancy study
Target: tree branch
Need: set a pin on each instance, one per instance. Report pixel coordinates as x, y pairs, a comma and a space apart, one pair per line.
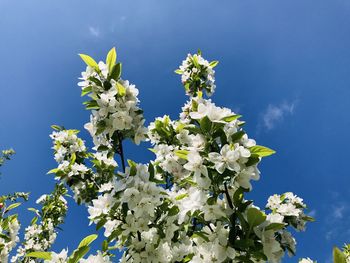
229, 201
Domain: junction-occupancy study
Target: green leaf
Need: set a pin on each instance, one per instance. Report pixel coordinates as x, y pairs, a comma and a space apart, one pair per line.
173, 211
121, 89
182, 154
87, 240
111, 59
252, 160
34, 220
255, 217
73, 157
133, 169
205, 124
78, 254
182, 196
261, 151
195, 61
237, 136
338, 256
91, 105
188, 258
57, 127
244, 244
102, 148
275, 226
39, 254
231, 118
309, 218
12, 206
202, 235
238, 197
90, 61
178, 71
36, 211
101, 223
104, 245
214, 63
86, 90
53, 171
116, 72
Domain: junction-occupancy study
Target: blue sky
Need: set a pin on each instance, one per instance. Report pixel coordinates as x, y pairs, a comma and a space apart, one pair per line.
284, 65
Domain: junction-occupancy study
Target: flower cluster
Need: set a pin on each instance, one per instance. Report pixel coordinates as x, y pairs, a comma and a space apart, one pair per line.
71, 155
9, 224
130, 212
6, 155
206, 137
289, 209
62, 257
114, 102
9, 228
197, 74
188, 204
39, 236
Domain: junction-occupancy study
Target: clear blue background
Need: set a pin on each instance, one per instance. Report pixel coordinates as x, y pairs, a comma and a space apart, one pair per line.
284, 65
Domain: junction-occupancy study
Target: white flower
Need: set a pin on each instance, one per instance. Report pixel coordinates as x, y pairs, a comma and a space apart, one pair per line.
109, 227
106, 187
214, 113
195, 164
288, 209
247, 174
213, 212
41, 199
195, 200
99, 258
226, 159
101, 205
275, 218
103, 158
306, 260
274, 201
121, 120
58, 258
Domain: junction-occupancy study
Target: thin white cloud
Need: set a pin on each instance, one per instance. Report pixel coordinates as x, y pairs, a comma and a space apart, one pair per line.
94, 31
275, 114
338, 212
330, 234
335, 223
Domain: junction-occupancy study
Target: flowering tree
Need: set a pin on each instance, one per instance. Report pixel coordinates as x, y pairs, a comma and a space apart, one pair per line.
186, 205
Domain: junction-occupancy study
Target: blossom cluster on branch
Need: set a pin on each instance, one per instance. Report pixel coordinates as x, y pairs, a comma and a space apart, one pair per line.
42, 231
188, 204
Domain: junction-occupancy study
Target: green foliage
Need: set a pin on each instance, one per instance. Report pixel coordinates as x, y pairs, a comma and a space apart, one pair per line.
261, 151
255, 217
5, 156
338, 256
111, 58
82, 249
89, 61
40, 255
87, 241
